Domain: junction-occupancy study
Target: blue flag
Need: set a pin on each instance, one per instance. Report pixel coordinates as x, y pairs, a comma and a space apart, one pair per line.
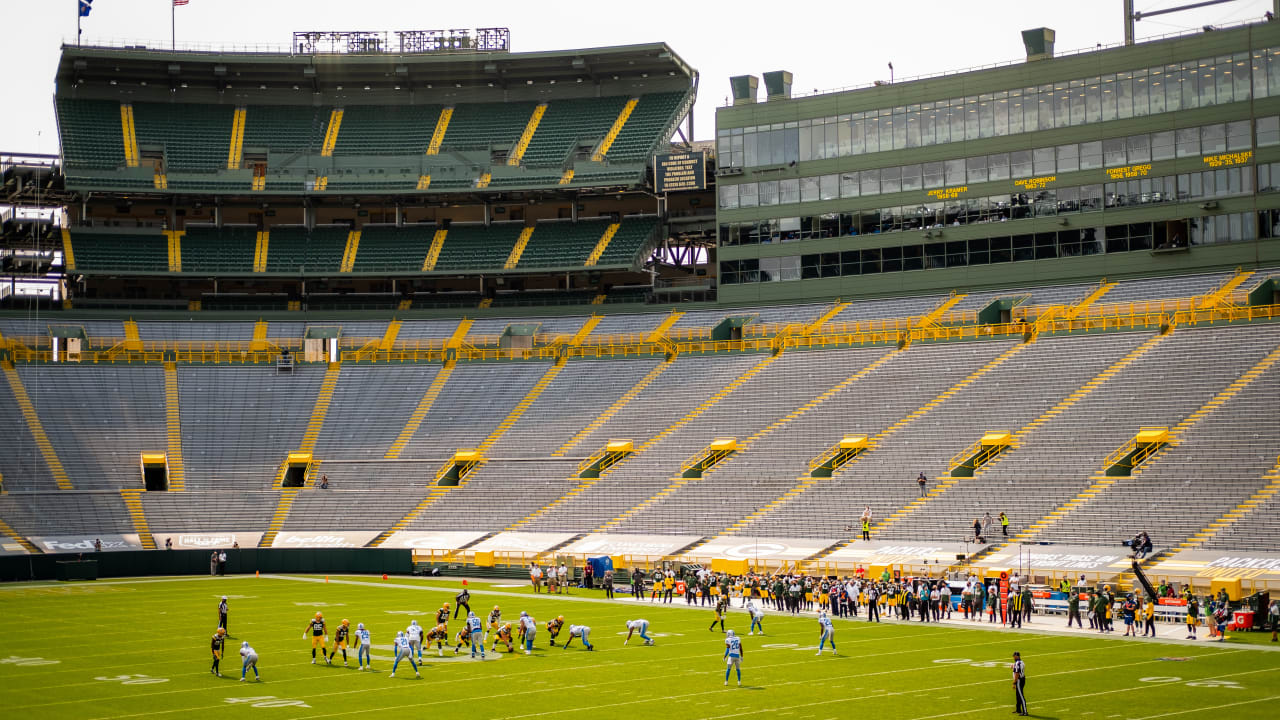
85, 7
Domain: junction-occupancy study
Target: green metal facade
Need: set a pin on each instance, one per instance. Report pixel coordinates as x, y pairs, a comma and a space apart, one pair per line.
1179, 226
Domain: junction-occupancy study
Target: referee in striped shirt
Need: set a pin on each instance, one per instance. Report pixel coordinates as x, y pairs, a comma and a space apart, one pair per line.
1019, 684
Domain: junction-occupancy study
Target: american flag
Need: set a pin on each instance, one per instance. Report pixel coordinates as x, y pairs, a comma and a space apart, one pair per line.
176, 3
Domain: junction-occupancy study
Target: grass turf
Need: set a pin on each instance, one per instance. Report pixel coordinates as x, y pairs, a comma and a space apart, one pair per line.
139, 649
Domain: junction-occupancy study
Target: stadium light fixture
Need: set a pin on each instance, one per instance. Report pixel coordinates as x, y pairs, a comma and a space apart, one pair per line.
368, 87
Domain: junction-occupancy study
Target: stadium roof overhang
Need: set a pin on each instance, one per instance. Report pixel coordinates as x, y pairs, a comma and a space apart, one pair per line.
153, 68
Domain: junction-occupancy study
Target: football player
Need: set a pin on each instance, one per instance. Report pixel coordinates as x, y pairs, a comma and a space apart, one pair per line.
475, 629
503, 635
249, 659
319, 635
828, 633
439, 635
722, 606
732, 656
528, 631
579, 631
553, 627
495, 620
219, 641
363, 646
638, 626
340, 642
403, 652
462, 637
414, 631
442, 615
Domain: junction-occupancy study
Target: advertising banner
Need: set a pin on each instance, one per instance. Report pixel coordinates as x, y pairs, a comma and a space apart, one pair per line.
441, 540
84, 543
208, 540
613, 544
522, 542
323, 539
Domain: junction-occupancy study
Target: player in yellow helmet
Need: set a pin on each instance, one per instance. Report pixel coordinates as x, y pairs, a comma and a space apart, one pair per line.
340, 642
553, 627
218, 642
503, 636
319, 635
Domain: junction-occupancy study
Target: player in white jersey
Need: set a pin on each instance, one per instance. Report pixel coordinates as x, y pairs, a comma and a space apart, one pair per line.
828, 633
528, 629
732, 656
404, 652
476, 629
364, 643
249, 659
579, 631
638, 626
414, 633
757, 617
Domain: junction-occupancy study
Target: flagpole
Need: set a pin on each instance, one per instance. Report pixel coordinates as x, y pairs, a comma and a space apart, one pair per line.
173, 24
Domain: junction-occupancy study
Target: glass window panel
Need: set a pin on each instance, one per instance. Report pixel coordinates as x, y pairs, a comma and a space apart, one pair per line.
976, 169
870, 181
1061, 105
1156, 87
899, 130
971, 119
954, 172
1068, 158
1043, 159
844, 139
1078, 116
808, 189
1213, 139
1016, 101
1020, 164
728, 197
1113, 152
911, 177
1031, 109
806, 144
1000, 108
1273, 70
1090, 198
769, 192
857, 135
1091, 155
1138, 148
1162, 147
872, 127
1188, 142
747, 193
891, 180
1045, 104
927, 125
1172, 88
1093, 100
1124, 95
1141, 101
998, 166
886, 132
788, 191
1190, 85
1240, 76
1108, 97
1268, 131
831, 147
986, 116
933, 175
1259, 63
1223, 83
1206, 86
829, 187
751, 158
1238, 135
956, 115
790, 145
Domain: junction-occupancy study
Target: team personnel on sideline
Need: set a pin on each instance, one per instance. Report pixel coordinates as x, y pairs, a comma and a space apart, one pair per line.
222, 614
1193, 617
579, 631
219, 642
340, 642
403, 652
638, 626
439, 635
319, 635
553, 627
249, 659
828, 633
528, 630
502, 635
364, 643
414, 631
733, 656
757, 617
476, 630
1019, 684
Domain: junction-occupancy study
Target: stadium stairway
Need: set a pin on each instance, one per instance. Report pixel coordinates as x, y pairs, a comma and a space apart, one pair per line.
235, 151
946, 482
685, 420
931, 317
34, 425
1223, 291
437, 135
1100, 481
599, 421
173, 429
349, 253
130, 135
808, 482
133, 503
19, 539
601, 244
615, 130
420, 413
518, 411
529, 129
433, 252
287, 496
1255, 501
68, 254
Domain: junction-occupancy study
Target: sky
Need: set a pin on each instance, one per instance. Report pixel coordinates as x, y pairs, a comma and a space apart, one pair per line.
825, 44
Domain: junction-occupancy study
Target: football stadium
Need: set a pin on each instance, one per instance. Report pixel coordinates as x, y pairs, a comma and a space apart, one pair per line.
441, 352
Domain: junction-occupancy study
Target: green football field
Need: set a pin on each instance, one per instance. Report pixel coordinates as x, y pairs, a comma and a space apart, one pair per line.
139, 649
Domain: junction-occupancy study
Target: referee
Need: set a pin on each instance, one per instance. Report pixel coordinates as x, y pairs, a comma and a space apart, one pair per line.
1019, 684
